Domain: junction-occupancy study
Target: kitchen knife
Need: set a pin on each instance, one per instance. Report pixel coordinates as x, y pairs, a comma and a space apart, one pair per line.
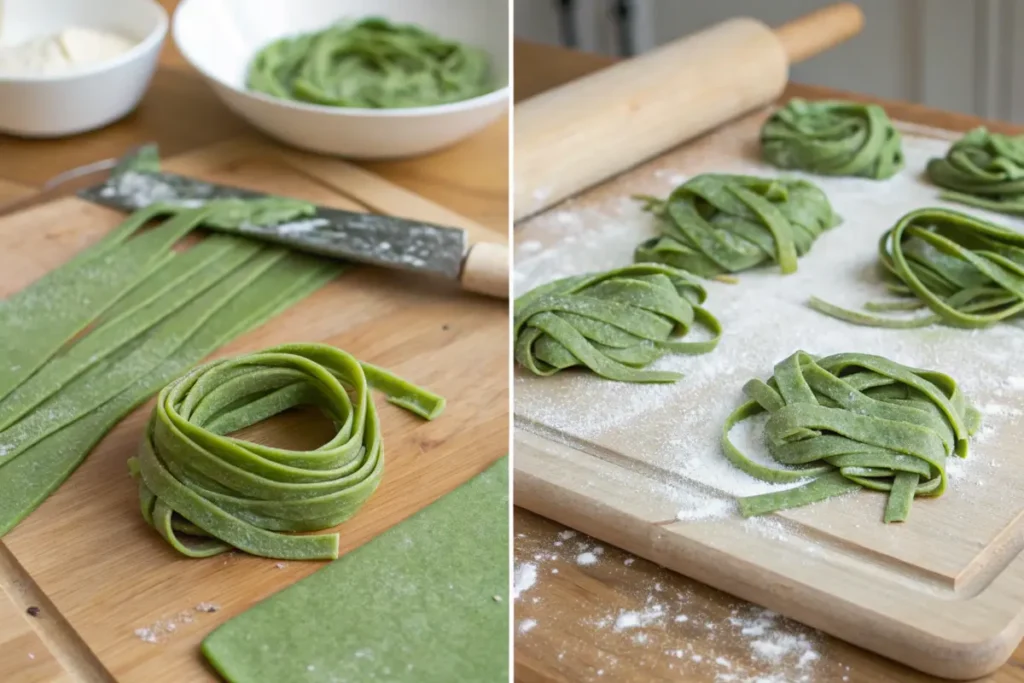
385, 241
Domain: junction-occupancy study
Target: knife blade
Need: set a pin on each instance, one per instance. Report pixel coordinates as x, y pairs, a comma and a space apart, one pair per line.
385, 241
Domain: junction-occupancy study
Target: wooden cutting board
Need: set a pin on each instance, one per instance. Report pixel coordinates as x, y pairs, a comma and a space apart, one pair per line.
639, 466
104, 582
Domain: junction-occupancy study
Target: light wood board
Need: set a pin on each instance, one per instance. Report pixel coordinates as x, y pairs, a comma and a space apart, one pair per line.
943, 593
87, 559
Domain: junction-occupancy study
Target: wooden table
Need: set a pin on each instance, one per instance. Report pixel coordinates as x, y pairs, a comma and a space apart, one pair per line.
578, 621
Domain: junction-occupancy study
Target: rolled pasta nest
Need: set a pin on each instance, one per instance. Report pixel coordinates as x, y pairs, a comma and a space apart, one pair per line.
833, 138
969, 272
983, 169
852, 421
613, 323
717, 224
207, 492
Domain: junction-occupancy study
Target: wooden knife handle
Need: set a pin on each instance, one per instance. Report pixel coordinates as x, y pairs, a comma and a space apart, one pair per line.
485, 270
819, 31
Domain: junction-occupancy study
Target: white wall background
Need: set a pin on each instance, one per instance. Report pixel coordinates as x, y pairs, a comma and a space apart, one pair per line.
960, 55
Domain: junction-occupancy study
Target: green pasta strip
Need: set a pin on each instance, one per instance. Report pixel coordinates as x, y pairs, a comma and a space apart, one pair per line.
853, 421
613, 323
983, 169
833, 138
206, 492
967, 271
371, 64
149, 314
715, 224
26, 480
36, 321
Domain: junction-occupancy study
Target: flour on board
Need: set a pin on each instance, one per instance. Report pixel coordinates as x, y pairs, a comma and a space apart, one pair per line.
673, 430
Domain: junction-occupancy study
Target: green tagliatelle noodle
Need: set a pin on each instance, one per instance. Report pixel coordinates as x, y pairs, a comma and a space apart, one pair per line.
206, 492
613, 323
833, 138
853, 421
983, 169
714, 224
969, 272
371, 64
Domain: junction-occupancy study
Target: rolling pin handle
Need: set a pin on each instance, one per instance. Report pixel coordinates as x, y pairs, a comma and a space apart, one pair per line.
820, 30
485, 270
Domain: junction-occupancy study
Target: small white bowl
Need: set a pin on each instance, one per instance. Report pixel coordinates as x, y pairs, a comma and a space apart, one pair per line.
220, 37
88, 97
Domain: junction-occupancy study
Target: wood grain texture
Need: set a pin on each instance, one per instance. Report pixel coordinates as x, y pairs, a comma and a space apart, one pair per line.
108, 574
557, 649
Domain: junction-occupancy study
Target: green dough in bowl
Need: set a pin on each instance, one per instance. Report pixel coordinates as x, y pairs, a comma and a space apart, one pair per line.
206, 492
852, 421
371, 64
833, 138
983, 169
715, 224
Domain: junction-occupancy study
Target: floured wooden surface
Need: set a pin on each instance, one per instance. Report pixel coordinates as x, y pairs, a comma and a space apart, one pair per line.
662, 441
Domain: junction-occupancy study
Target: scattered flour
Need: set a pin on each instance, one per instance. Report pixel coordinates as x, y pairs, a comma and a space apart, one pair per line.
586, 559
748, 644
523, 579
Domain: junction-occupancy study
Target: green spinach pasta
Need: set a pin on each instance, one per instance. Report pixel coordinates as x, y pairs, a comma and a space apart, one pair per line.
371, 64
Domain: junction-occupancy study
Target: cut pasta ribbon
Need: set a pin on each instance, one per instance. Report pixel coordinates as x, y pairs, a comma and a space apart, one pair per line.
968, 271
206, 492
613, 323
853, 421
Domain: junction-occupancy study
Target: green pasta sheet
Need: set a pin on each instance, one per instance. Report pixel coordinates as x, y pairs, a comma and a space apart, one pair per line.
371, 63
967, 271
716, 224
983, 169
833, 138
206, 492
852, 421
425, 602
613, 323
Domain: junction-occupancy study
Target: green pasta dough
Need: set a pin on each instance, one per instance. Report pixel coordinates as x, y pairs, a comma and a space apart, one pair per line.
853, 421
969, 272
983, 169
833, 138
372, 64
716, 224
206, 492
613, 323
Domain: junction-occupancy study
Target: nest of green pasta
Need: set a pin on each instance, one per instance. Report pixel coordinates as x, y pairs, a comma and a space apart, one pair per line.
714, 225
967, 271
833, 138
852, 421
983, 169
613, 323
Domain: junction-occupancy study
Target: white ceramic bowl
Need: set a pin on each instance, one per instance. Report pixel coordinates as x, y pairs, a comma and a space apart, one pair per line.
220, 38
88, 97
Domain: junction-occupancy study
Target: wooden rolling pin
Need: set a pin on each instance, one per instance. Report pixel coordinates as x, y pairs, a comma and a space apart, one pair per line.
572, 137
